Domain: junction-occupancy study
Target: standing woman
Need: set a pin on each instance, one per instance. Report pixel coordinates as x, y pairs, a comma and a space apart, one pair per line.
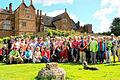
108, 52
93, 50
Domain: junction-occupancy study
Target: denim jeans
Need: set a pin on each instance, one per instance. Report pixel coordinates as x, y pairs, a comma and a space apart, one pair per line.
108, 56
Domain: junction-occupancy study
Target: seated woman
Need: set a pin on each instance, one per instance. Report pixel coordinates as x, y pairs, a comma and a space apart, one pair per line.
45, 55
15, 56
37, 55
64, 54
56, 54
4, 53
28, 54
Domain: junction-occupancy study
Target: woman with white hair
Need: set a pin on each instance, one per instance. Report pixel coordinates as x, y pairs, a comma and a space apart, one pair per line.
93, 49
108, 52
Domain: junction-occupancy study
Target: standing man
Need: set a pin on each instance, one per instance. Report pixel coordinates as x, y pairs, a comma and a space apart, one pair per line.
82, 46
88, 49
114, 47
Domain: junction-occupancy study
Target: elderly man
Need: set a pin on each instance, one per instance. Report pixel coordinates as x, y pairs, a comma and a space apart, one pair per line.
114, 46
15, 56
82, 46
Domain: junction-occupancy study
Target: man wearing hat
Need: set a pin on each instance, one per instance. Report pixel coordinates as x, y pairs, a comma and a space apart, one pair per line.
114, 47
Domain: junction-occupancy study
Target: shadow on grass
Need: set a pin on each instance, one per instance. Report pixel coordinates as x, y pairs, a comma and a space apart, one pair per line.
36, 78
74, 64
112, 65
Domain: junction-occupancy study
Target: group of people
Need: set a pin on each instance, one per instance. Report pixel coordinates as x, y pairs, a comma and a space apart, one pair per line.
61, 49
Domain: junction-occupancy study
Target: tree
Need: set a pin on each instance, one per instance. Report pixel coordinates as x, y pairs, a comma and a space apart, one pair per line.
115, 27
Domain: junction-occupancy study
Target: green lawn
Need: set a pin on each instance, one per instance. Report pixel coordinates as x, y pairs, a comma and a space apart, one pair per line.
74, 71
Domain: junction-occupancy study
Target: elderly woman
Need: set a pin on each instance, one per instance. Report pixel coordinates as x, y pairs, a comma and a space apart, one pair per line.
37, 55
93, 49
108, 52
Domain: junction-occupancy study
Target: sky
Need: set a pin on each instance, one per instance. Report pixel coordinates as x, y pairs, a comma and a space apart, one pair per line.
99, 13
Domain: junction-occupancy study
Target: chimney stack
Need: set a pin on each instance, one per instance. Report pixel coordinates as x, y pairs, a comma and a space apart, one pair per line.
31, 2
40, 12
65, 9
22, 1
45, 14
10, 7
37, 12
7, 8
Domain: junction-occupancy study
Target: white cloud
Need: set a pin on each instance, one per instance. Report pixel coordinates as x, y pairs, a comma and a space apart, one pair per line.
57, 12
50, 2
108, 8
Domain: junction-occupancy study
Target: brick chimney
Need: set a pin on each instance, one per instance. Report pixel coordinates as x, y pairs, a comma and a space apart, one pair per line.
31, 2
40, 12
45, 14
7, 8
22, 1
37, 12
65, 9
10, 7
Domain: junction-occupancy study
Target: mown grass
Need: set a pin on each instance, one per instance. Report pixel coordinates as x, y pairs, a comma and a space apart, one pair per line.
74, 71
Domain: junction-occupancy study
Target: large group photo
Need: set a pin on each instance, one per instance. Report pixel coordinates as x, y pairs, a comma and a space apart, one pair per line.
59, 40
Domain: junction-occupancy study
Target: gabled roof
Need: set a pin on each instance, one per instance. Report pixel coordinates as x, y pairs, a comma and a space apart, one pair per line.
32, 6
47, 20
21, 5
4, 11
58, 17
74, 25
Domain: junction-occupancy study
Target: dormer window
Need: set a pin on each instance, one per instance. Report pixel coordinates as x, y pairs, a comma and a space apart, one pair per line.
65, 20
27, 10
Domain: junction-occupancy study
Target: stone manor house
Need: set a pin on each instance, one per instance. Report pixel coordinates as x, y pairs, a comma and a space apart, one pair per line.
26, 19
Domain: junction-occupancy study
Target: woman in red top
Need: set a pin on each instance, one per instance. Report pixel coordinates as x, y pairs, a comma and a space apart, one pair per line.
45, 55
64, 54
74, 50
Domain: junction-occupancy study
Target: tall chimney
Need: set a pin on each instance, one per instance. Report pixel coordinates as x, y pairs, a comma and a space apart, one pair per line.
31, 2
6, 8
40, 12
22, 1
10, 7
45, 14
65, 9
37, 12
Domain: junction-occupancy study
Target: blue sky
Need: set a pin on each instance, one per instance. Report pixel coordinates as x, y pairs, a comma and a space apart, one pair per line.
99, 13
